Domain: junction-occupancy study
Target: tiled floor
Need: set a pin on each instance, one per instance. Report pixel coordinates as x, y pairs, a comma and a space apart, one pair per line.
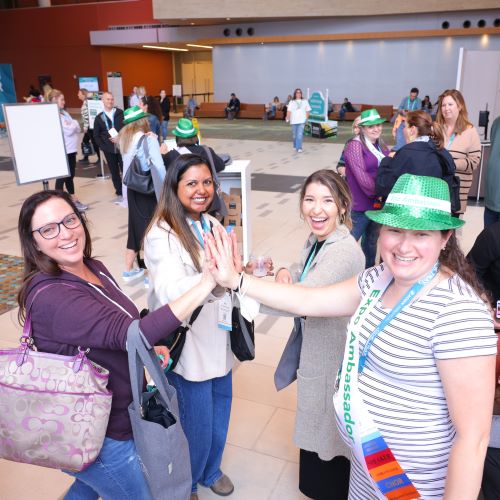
260, 455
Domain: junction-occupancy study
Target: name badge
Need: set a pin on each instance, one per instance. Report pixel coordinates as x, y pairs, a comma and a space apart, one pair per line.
112, 132
224, 319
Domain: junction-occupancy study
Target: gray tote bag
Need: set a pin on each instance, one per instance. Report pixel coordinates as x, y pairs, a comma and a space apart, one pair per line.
286, 371
163, 450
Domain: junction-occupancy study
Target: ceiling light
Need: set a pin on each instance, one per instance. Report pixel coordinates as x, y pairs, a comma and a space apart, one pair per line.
228, 19
164, 48
201, 46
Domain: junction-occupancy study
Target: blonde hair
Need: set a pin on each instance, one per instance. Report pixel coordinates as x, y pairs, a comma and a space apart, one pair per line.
53, 95
127, 133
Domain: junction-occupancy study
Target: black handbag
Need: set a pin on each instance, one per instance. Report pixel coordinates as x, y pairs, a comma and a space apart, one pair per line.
137, 179
87, 148
176, 341
242, 336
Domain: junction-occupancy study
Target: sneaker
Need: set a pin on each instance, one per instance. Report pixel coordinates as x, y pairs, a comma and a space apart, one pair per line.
133, 274
80, 206
118, 200
299, 150
223, 486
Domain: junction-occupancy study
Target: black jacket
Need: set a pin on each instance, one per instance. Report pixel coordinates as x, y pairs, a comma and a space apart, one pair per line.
170, 157
101, 126
418, 158
165, 109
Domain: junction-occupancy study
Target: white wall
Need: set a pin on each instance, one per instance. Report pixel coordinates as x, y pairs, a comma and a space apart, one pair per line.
366, 71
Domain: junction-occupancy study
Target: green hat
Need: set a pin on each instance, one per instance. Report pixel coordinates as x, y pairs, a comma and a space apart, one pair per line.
370, 117
185, 129
132, 114
417, 202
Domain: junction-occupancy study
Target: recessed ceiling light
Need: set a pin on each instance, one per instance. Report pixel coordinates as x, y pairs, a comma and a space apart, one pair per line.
228, 19
192, 24
164, 48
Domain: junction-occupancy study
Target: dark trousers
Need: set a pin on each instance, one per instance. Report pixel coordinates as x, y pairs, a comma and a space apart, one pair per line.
491, 475
68, 181
324, 479
89, 136
115, 165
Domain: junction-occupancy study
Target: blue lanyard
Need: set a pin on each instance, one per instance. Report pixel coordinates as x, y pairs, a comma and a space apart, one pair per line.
451, 140
205, 227
308, 263
410, 294
413, 104
107, 120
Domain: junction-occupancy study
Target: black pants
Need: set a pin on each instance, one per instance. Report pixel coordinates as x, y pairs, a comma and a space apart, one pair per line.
89, 136
324, 480
491, 475
68, 181
115, 165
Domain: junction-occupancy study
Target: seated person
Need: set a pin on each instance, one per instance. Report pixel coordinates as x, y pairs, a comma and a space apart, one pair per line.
191, 106
272, 108
233, 107
346, 107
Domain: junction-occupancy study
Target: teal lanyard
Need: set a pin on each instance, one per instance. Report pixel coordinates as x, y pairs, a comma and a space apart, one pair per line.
205, 227
409, 295
308, 263
413, 104
451, 140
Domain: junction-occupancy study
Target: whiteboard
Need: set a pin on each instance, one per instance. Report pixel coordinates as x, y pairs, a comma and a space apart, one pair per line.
36, 142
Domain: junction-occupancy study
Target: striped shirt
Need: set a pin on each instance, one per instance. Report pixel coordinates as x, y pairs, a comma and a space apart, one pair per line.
401, 386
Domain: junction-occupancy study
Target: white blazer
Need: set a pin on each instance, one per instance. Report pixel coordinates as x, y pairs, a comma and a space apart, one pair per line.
207, 352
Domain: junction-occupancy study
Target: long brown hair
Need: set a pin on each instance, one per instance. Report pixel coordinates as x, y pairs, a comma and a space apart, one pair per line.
170, 209
424, 125
463, 122
34, 260
127, 133
338, 189
454, 259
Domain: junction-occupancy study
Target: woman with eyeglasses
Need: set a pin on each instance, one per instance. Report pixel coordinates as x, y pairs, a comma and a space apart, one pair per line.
297, 115
84, 307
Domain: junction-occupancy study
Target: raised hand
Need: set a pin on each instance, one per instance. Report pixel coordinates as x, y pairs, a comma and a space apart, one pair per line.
219, 256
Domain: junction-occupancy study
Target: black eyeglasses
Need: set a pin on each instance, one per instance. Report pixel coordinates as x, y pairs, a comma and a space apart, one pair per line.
50, 231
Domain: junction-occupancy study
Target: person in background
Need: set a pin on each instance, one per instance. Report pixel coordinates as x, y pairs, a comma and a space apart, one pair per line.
151, 107
409, 103
346, 107
330, 255
362, 158
165, 111
107, 125
186, 138
191, 107
418, 390
461, 139
173, 251
133, 100
272, 108
285, 105
297, 114
492, 191
233, 107
423, 154
34, 95
340, 168
485, 259
141, 206
76, 304
46, 90
71, 131
88, 133
427, 104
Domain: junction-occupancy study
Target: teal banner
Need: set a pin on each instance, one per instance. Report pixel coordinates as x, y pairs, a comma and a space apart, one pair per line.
318, 105
7, 90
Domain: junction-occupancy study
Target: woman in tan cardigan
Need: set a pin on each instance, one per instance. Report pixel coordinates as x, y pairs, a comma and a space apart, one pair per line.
461, 139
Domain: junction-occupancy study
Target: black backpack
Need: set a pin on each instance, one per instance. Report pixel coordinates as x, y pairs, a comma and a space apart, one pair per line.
452, 179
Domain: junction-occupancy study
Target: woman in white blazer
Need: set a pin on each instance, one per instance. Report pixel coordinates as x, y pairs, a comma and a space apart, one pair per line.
173, 251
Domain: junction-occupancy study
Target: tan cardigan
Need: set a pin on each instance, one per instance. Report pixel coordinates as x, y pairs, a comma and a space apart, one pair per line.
466, 151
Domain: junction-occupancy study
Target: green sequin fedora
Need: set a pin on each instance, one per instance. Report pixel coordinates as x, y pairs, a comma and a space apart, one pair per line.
132, 114
417, 202
185, 129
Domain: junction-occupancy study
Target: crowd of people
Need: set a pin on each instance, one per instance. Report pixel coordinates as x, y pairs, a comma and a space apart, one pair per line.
394, 322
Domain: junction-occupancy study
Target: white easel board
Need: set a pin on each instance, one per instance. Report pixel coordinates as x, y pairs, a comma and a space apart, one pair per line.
36, 142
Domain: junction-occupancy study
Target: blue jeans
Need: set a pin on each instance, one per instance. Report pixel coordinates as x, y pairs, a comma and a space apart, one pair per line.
116, 474
363, 227
400, 137
164, 127
490, 217
298, 134
204, 411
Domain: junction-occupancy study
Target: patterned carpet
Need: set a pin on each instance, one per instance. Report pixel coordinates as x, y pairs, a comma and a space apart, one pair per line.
11, 269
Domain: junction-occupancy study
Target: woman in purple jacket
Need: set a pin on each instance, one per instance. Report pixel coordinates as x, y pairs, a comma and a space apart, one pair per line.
85, 308
362, 157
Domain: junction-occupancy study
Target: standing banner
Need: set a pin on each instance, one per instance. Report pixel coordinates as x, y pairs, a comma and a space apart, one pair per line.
319, 125
94, 106
115, 86
7, 90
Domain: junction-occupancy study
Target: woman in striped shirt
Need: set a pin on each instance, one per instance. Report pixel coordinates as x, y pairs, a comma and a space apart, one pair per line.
415, 393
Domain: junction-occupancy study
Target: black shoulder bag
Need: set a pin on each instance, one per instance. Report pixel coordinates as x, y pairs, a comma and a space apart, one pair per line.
135, 178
